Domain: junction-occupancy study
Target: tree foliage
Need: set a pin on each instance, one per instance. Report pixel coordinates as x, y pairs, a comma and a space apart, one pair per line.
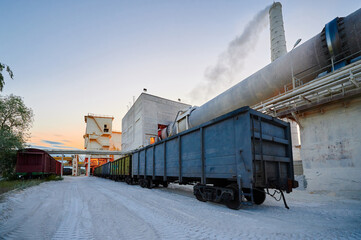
11, 74
15, 120
15, 116
9, 143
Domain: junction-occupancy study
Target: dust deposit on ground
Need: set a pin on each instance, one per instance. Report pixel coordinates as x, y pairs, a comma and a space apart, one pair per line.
95, 208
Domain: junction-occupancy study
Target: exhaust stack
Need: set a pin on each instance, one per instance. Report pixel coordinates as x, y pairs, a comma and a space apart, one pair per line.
278, 39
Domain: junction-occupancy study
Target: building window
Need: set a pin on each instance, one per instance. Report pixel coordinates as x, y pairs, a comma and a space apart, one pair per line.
106, 128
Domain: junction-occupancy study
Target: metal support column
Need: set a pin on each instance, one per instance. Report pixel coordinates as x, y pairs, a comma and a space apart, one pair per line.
88, 169
75, 165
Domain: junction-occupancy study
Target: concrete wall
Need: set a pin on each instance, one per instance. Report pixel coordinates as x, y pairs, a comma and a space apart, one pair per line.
116, 141
331, 148
141, 121
332, 138
131, 126
95, 125
98, 133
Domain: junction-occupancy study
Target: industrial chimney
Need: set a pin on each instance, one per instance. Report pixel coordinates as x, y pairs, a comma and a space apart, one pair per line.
278, 49
278, 40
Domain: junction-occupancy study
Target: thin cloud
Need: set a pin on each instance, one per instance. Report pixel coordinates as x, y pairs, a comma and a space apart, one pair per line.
54, 146
31, 145
66, 147
52, 142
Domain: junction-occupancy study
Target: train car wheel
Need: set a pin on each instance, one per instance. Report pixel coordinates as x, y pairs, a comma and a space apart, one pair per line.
146, 183
259, 195
127, 180
149, 183
200, 198
165, 184
235, 203
142, 183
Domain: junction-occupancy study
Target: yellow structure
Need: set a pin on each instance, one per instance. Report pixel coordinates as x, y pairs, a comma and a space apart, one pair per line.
68, 159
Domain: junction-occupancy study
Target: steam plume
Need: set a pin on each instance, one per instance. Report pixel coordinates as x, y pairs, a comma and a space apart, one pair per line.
230, 63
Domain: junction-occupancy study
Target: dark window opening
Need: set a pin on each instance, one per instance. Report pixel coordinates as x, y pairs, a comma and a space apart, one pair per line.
106, 128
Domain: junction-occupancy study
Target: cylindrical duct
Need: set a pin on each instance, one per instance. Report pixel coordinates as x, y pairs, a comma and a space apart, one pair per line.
309, 59
278, 40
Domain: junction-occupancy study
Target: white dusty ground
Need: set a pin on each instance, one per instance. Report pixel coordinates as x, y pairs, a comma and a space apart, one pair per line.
94, 208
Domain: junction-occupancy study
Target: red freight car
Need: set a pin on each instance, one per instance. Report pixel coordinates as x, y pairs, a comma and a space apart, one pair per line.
36, 162
58, 168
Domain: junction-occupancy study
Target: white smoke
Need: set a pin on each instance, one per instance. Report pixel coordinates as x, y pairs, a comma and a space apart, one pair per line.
226, 71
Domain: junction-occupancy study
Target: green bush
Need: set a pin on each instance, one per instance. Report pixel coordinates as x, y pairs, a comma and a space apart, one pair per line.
7, 163
54, 178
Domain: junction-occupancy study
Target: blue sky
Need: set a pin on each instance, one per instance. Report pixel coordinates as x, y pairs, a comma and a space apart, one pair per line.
71, 58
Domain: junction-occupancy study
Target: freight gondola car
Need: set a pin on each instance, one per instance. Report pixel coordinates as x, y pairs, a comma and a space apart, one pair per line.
35, 162
234, 159
119, 170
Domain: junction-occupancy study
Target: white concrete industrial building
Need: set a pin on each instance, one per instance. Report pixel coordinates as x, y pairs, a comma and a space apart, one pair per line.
99, 135
145, 117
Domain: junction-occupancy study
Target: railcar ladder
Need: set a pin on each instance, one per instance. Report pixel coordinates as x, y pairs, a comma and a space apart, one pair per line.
257, 120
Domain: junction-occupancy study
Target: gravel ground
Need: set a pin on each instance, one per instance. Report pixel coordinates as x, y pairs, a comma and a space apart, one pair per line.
95, 208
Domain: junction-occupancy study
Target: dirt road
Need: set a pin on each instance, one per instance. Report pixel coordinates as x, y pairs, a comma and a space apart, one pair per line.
94, 208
